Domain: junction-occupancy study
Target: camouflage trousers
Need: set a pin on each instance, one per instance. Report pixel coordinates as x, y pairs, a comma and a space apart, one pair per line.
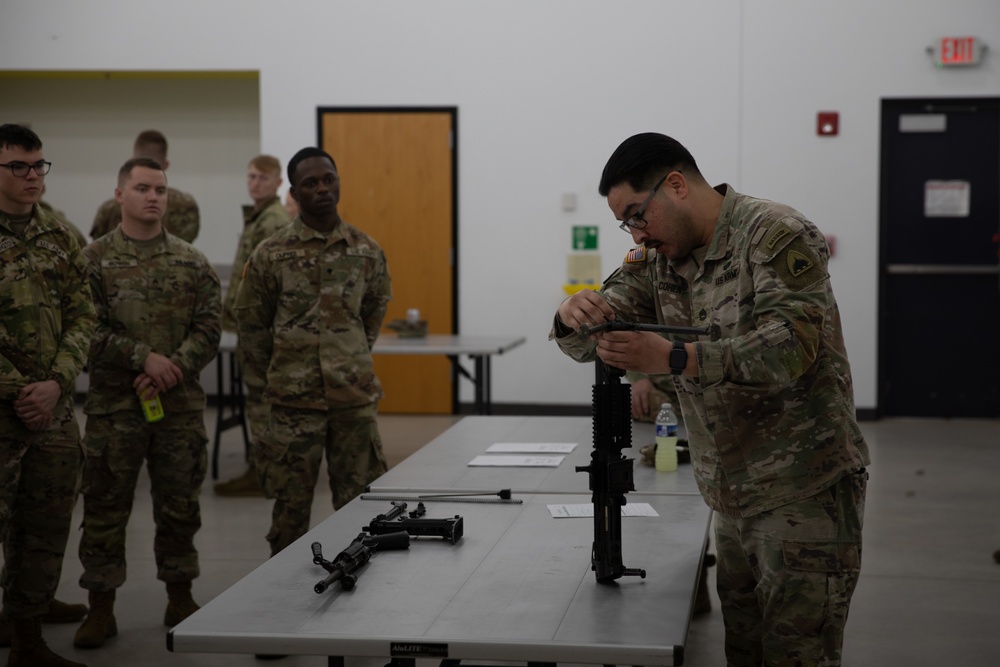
289, 450
39, 480
785, 577
176, 458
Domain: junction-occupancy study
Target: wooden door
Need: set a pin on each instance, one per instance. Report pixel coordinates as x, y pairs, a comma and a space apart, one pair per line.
397, 173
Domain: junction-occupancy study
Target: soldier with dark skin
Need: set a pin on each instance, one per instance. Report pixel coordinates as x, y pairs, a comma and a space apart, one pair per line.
766, 397
159, 323
46, 323
181, 217
309, 309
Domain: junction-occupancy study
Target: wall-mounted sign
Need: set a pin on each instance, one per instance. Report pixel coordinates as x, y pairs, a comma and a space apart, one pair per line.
584, 237
958, 51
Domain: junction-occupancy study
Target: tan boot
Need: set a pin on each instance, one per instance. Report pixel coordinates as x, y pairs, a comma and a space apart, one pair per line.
100, 624
64, 612
59, 612
180, 604
244, 485
28, 649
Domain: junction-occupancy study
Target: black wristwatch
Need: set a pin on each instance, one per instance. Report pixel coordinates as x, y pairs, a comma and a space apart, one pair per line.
678, 358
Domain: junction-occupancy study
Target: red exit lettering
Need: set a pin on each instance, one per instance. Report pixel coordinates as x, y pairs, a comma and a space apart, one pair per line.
959, 51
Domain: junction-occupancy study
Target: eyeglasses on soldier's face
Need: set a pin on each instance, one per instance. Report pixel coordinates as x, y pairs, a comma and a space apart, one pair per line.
636, 220
21, 169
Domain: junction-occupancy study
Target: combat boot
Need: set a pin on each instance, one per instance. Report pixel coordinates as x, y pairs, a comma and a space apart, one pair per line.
64, 612
100, 624
244, 485
180, 604
28, 649
59, 612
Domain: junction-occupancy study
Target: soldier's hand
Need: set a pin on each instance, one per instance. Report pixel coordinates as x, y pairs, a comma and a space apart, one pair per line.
165, 374
584, 307
641, 389
145, 387
36, 402
642, 351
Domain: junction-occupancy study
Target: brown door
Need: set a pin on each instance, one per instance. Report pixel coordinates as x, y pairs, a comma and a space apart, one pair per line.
397, 172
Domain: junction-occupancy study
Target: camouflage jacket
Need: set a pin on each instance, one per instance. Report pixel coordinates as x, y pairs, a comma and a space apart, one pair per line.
46, 316
770, 416
61, 217
181, 218
309, 310
166, 303
258, 224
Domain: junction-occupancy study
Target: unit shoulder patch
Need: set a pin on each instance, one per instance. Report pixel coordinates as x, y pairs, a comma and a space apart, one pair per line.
797, 265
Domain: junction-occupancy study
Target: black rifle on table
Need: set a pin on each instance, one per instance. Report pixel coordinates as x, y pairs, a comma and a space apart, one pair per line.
392, 521
344, 567
385, 532
611, 473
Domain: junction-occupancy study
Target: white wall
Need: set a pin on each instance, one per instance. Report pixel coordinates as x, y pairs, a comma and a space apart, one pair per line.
545, 91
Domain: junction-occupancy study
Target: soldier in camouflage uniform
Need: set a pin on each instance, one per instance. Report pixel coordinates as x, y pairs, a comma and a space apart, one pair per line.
159, 323
309, 310
767, 398
61, 217
181, 218
262, 219
46, 322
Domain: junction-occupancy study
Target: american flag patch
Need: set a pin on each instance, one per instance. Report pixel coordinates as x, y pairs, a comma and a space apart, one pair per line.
636, 255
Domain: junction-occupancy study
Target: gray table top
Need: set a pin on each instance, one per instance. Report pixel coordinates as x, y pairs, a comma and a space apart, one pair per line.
442, 464
517, 587
430, 344
444, 344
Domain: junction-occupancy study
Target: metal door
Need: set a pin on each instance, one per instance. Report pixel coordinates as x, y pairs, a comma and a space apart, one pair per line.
939, 315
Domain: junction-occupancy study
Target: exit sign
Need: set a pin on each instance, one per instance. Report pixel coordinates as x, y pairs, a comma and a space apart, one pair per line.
959, 51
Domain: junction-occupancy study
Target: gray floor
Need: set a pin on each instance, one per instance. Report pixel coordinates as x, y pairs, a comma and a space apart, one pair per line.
929, 591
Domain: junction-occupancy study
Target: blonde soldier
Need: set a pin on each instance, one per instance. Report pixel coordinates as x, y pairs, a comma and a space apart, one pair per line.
159, 312
262, 219
767, 399
181, 217
46, 322
309, 310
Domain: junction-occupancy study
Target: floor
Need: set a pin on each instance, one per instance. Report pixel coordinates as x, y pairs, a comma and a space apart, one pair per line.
929, 592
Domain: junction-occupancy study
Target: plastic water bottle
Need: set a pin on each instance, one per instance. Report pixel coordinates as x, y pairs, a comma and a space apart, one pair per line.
666, 439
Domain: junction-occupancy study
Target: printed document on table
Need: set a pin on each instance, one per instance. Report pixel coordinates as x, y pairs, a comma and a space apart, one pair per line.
587, 510
517, 461
532, 447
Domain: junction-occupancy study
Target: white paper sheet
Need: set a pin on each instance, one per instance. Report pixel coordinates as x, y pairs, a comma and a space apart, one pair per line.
518, 461
587, 510
533, 447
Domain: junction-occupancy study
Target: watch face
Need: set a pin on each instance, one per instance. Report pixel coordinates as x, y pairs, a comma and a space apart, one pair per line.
678, 359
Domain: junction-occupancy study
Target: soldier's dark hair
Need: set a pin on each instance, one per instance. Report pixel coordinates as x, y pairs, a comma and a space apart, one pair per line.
132, 163
19, 136
150, 143
305, 154
642, 159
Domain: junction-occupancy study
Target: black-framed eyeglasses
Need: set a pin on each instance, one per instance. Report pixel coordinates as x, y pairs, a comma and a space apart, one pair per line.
21, 169
636, 221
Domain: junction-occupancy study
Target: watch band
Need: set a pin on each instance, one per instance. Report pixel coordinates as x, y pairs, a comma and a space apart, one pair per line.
678, 358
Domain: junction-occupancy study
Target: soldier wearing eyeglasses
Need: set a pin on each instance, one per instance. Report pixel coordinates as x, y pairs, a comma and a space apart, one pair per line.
767, 399
46, 323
